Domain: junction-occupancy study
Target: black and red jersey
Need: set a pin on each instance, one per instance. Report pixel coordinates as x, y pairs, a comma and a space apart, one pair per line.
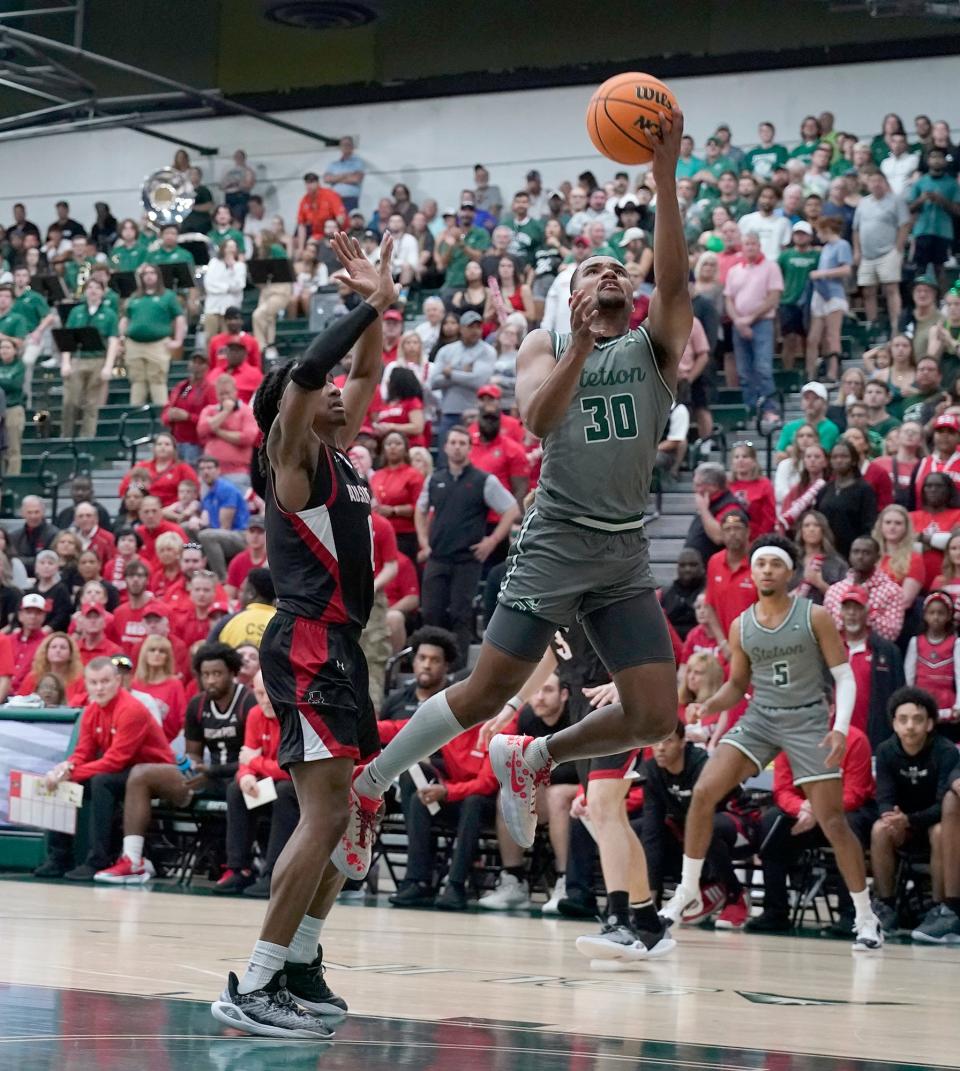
321, 558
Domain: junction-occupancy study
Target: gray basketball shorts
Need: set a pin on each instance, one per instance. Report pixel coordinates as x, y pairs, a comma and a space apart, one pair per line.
763, 732
559, 572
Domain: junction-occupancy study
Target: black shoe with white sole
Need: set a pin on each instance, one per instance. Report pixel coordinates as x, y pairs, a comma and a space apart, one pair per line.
269, 1012
308, 987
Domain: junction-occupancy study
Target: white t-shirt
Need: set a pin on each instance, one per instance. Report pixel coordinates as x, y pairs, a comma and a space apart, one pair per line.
774, 232
679, 426
899, 170
406, 251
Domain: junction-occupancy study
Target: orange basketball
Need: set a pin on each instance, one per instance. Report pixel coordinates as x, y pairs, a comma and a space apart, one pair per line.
623, 118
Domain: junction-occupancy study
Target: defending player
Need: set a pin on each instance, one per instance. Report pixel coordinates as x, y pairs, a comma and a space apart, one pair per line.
319, 544
599, 398
780, 650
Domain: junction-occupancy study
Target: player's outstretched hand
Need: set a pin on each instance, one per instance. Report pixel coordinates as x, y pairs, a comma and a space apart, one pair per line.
373, 282
837, 743
583, 317
666, 148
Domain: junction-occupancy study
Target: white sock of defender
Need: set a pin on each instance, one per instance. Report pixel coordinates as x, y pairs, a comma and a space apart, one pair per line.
303, 947
265, 960
432, 726
133, 849
861, 905
690, 874
537, 754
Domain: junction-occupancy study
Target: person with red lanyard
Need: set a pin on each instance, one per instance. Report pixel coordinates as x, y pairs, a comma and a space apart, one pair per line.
730, 588
165, 468
749, 484
26, 639
933, 659
182, 411
945, 456
489, 400
933, 522
396, 488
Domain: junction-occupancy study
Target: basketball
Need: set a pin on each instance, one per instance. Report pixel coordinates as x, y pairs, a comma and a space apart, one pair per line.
623, 116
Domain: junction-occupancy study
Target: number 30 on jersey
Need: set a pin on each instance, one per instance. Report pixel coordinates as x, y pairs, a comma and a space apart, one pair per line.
616, 416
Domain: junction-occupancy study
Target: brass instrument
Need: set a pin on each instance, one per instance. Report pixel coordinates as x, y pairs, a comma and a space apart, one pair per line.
168, 196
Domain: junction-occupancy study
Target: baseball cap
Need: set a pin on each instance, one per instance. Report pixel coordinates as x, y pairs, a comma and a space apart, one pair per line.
219, 607
627, 201
723, 126
533, 173
941, 596
33, 602
356, 213
92, 608
947, 422
737, 515
802, 225
371, 234
855, 593
467, 202
583, 243
630, 235
818, 389
449, 212
489, 390
927, 280
156, 608
471, 317
393, 314
257, 520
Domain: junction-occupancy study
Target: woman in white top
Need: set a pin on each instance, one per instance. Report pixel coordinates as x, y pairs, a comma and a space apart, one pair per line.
787, 475
223, 282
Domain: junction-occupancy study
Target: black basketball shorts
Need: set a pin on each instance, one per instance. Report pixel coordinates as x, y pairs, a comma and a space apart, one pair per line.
316, 678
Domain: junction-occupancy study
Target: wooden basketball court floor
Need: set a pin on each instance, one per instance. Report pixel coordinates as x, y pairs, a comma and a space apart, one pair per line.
119, 979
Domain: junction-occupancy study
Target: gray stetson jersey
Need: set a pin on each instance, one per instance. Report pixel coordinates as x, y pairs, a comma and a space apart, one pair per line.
597, 464
787, 667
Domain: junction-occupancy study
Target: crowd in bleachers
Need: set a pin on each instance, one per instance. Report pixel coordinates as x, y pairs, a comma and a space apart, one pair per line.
829, 267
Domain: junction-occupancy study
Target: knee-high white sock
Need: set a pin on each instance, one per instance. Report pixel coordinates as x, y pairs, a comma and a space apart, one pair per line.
133, 849
861, 905
690, 874
432, 726
303, 947
265, 960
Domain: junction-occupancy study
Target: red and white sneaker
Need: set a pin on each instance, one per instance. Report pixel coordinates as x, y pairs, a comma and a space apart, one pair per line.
734, 916
353, 854
518, 786
688, 909
126, 872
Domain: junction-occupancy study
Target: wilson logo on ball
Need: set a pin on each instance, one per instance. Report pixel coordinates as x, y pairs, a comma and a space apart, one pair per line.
623, 118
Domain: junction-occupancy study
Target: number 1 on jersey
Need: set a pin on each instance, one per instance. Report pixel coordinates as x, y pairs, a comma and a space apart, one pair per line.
620, 411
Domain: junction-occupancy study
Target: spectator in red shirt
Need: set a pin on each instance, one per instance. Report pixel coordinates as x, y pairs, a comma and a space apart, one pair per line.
232, 361
316, 206
233, 322
165, 468
92, 537
884, 597
26, 639
495, 452
116, 733
193, 619
894, 532
753, 489
258, 759
490, 400
403, 601
58, 654
396, 488
166, 579
254, 557
392, 332
228, 432
128, 617
945, 456
789, 828
91, 639
156, 619
183, 408
730, 589
152, 525
157, 676
403, 409
934, 521
127, 551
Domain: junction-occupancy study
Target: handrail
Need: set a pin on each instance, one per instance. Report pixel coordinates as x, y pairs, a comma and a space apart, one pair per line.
768, 435
130, 445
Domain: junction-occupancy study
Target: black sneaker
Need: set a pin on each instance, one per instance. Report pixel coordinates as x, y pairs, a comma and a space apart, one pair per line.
233, 882
269, 1012
416, 894
260, 889
452, 898
575, 907
769, 922
50, 868
83, 872
308, 987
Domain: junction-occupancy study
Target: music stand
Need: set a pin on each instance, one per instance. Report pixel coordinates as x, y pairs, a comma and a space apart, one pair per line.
177, 276
64, 309
124, 282
49, 287
72, 339
199, 250
270, 270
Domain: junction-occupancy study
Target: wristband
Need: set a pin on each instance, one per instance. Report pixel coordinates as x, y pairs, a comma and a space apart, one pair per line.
514, 704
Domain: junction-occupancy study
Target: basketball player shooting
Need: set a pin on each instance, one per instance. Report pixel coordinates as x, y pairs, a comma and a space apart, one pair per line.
599, 399
319, 541
780, 651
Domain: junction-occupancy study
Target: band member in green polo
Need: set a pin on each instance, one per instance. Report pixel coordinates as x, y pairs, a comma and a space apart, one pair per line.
85, 372
153, 326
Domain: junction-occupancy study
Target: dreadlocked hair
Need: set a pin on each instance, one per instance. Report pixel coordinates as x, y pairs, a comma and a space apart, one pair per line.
266, 406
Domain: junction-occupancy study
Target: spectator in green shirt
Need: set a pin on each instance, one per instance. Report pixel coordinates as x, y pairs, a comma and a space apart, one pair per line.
169, 251
809, 140
935, 197
76, 271
200, 219
85, 371
37, 315
12, 323
687, 164
130, 251
714, 164
796, 263
527, 232
153, 327
12, 372
880, 146
813, 402
223, 229
459, 243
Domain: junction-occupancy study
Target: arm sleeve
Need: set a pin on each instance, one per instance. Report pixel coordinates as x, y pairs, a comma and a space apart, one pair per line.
846, 696
910, 662
330, 347
496, 496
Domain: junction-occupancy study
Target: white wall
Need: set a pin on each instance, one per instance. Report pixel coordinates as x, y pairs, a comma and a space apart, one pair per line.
432, 144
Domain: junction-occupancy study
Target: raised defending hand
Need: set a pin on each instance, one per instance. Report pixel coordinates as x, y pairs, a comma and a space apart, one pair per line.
373, 282
666, 147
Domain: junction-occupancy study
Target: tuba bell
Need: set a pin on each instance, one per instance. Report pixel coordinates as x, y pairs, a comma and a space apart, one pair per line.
167, 197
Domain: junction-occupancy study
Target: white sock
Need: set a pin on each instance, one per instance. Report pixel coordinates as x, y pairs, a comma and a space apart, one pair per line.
861, 905
303, 947
133, 849
265, 960
690, 874
432, 726
537, 754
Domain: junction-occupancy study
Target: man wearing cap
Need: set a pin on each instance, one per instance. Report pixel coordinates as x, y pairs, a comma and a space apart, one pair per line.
460, 241
231, 360
92, 641
773, 230
234, 332
881, 228
496, 451
156, 621
729, 587
527, 232
714, 164
460, 369
24, 640
884, 598
392, 333
813, 402
537, 196
489, 400
187, 400
918, 323
253, 556
945, 456
935, 197
317, 205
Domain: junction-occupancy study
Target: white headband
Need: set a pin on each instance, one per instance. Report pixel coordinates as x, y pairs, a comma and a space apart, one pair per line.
771, 552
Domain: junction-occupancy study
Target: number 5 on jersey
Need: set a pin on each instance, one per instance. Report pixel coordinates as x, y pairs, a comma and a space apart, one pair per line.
619, 411
781, 674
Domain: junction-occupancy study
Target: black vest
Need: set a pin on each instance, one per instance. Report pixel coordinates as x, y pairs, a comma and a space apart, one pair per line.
460, 513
